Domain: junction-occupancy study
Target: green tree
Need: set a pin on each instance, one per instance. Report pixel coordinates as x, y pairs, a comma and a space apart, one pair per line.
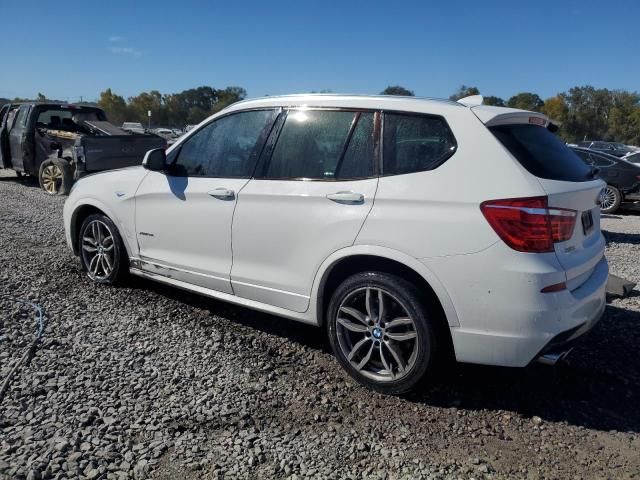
624, 117
494, 101
588, 113
141, 104
464, 91
41, 98
397, 90
556, 108
114, 105
526, 101
228, 96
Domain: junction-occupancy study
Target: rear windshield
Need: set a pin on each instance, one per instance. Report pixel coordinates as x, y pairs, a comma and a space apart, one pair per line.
542, 153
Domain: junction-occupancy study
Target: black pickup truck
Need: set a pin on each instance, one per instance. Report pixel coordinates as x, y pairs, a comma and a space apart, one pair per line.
60, 143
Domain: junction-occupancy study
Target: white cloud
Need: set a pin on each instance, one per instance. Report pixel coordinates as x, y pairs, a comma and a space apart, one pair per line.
125, 51
115, 39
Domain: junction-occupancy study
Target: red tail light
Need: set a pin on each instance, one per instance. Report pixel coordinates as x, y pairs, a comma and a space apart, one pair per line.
528, 224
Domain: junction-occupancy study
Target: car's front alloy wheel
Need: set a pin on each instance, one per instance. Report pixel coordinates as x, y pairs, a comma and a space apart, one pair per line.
101, 249
380, 331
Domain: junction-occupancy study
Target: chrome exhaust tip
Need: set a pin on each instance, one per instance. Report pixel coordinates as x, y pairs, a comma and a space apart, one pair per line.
552, 358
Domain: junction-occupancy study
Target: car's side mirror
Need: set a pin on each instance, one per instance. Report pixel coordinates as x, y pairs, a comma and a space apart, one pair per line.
155, 160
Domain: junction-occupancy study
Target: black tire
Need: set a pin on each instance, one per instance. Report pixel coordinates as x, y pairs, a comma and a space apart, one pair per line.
614, 199
116, 256
55, 176
374, 375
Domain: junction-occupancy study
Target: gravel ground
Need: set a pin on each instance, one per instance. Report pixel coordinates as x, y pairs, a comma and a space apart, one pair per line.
143, 381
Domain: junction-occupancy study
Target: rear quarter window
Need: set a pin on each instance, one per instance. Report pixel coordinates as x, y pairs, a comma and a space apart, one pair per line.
415, 143
541, 153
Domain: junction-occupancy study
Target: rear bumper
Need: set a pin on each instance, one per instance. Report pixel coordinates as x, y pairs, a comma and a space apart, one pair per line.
504, 319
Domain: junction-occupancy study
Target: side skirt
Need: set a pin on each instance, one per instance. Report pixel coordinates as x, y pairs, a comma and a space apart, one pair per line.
227, 297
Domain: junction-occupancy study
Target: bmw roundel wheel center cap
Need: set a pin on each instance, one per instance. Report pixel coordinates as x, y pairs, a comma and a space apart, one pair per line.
377, 333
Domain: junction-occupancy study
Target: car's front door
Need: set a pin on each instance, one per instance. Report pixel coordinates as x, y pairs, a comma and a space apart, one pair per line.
309, 198
17, 138
183, 215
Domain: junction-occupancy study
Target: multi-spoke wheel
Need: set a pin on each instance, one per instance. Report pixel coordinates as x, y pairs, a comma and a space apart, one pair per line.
611, 200
55, 176
380, 331
101, 250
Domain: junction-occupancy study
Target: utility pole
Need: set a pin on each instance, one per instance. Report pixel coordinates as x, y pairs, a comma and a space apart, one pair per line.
149, 123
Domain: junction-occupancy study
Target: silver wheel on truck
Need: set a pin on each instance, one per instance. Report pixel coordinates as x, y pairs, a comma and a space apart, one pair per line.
55, 176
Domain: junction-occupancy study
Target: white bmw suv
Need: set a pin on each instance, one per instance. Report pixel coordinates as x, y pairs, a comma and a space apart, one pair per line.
408, 229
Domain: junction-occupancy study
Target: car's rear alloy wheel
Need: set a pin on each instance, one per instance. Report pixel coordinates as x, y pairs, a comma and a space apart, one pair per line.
380, 331
51, 178
377, 334
611, 200
55, 176
101, 249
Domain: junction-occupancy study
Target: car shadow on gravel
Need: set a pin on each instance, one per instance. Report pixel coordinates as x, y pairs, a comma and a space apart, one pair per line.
617, 237
597, 387
27, 181
307, 335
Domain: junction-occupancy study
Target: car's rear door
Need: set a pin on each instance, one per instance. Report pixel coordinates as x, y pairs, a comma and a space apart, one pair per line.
183, 216
308, 199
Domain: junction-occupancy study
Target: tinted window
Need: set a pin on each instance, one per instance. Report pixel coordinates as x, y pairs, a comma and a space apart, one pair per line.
227, 147
635, 158
542, 153
583, 155
601, 161
312, 145
413, 143
358, 158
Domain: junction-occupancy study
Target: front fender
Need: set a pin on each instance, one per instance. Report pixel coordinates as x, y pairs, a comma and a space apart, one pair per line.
71, 215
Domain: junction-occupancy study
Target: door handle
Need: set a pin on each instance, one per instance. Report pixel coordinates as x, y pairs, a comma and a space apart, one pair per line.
346, 197
222, 193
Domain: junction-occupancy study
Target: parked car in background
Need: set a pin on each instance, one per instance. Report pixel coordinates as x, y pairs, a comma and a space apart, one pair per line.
369, 216
622, 177
188, 128
59, 143
135, 127
612, 148
167, 134
164, 132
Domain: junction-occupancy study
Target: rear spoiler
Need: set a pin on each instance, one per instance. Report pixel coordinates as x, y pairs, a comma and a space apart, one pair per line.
493, 116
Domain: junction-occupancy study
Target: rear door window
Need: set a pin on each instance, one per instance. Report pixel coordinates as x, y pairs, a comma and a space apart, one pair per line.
542, 153
323, 145
414, 143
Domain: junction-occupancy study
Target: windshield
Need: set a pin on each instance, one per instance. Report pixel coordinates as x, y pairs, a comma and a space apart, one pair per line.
542, 153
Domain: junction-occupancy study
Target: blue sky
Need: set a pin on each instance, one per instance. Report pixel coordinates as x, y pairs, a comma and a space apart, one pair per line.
67, 49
